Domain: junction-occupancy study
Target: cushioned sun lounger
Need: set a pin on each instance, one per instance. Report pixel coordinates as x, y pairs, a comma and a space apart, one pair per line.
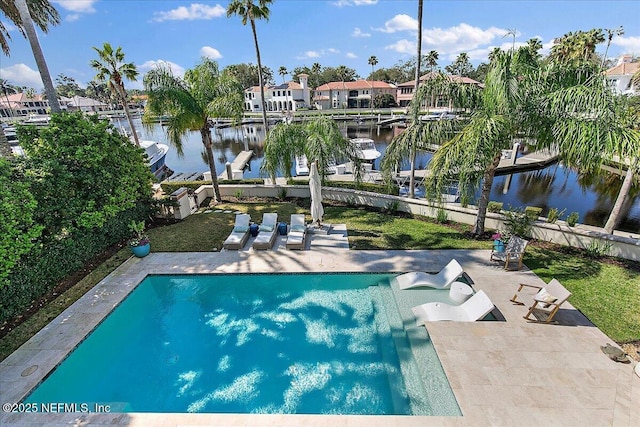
240, 233
475, 308
441, 280
268, 230
297, 233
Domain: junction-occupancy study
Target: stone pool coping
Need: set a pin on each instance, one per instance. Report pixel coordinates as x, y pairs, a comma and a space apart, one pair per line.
506, 372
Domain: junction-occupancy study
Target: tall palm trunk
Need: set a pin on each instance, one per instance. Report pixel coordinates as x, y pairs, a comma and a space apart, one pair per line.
205, 133
483, 201
30, 31
614, 217
416, 108
125, 105
260, 78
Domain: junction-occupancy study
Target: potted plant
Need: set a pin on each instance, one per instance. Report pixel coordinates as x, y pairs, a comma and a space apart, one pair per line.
498, 244
140, 244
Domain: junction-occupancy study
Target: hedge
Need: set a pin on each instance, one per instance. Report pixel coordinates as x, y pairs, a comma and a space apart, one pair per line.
45, 265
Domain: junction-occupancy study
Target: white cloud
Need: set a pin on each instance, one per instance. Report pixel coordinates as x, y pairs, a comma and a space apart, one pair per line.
341, 3
175, 68
351, 55
22, 75
403, 46
317, 54
72, 17
629, 44
309, 54
193, 12
357, 32
399, 23
210, 52
461, 38
79, 6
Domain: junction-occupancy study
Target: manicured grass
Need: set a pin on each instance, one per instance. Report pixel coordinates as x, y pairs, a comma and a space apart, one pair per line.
607, 293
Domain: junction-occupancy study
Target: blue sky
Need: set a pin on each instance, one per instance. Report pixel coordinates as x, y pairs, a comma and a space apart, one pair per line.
301, 32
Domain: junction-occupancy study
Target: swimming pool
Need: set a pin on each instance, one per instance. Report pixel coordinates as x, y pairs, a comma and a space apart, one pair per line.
245, 343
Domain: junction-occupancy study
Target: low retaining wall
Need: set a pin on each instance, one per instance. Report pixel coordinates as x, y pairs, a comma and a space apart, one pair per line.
579, 236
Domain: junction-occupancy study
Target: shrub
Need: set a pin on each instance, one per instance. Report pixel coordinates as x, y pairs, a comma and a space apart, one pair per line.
45, 265
572, 219
517, 223
554, 215
442, 216
494, 207
392, 206
533, 212
282, 193
597, 249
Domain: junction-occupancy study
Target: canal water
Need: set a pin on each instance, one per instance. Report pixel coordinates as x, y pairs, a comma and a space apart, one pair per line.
554, 186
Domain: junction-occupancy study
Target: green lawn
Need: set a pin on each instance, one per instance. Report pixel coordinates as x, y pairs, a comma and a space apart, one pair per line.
607, 293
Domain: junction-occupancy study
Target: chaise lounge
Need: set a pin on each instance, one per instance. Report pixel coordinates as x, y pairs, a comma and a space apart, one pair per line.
475, 308
441, 280
268, 230
297, 233
240, 233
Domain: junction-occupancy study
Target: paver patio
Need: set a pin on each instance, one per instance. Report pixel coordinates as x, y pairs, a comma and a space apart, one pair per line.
509, 372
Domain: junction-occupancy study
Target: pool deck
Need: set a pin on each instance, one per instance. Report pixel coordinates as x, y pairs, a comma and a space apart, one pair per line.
509, 372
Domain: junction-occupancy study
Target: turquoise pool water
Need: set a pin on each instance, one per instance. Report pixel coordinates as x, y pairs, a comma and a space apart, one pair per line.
306, 344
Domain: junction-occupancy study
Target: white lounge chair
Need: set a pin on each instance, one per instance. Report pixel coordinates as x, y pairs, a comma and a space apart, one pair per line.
441, 280
475, 308
297, 233
240, 233
268, 231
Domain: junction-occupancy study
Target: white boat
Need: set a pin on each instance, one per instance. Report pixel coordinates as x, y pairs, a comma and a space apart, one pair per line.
365, 149
302, 166
156, 154
38, 119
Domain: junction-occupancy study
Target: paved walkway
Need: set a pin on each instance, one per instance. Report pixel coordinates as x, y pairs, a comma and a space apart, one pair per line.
507, 372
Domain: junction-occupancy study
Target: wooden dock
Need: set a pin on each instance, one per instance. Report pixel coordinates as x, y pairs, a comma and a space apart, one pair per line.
239, 163
392, 120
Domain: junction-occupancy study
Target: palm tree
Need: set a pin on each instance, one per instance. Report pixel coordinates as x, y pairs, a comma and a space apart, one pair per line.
249, 11
112, 69
343, 74
283, 72
30, 31
7, 88
610, 33
373, 61
592, 124
472, 156
42, 14
432, 60
315, 69
415, 109
190, 103
320, 140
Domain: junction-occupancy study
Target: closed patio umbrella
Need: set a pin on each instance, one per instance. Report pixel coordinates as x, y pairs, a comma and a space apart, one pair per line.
315, 186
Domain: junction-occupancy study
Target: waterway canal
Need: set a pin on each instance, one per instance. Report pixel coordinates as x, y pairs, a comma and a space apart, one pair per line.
555, 186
